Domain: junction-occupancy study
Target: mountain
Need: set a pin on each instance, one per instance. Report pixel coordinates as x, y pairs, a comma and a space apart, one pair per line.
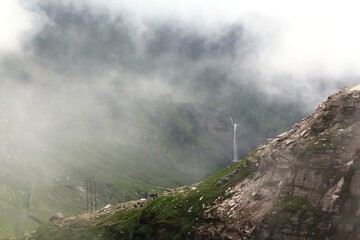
146, 149
56, 137
303, 184
138, 105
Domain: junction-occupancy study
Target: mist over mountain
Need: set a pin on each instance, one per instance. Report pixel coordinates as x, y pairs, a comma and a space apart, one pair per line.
302, 184
138, 100
84, 55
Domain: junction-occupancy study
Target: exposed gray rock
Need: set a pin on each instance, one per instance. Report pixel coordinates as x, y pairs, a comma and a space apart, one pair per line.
308, 181
355, 184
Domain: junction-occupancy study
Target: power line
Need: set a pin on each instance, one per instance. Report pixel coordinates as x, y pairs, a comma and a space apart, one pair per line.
91, 196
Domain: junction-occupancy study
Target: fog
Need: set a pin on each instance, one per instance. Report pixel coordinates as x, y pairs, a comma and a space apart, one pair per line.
280, 47
88, 89
68, 62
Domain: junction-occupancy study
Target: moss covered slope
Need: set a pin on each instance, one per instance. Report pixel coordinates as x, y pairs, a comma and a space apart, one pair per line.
171, 216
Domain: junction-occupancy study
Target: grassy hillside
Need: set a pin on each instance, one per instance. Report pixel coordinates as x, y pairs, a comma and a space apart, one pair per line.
167, 217
147, 149
131, 147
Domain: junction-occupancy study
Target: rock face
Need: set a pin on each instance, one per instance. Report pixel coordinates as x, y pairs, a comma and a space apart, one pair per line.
307, 185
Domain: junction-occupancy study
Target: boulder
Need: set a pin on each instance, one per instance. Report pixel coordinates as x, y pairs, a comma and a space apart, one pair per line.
56, 216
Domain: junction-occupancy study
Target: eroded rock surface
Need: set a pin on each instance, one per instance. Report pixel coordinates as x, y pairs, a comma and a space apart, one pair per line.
307, 185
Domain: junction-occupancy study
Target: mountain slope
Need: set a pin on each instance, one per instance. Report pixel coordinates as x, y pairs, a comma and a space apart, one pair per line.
306, 186
301, 185
141, 151
54, 138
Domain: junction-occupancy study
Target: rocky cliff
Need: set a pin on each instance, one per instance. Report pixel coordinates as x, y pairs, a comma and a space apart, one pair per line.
307, 183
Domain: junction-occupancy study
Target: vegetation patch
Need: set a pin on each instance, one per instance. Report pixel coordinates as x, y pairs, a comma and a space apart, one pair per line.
328, 140
293, 204
322, 143
167, 217
175, 215
281, 213
51, 232
296, 213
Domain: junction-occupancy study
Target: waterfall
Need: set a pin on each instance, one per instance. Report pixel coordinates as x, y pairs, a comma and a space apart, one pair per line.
235, 147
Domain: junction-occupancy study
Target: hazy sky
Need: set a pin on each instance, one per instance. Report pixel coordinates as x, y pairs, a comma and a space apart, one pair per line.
300, 37
299, 50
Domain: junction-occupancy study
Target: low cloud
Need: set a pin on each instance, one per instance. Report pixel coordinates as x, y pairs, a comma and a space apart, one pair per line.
19, 22
80, 57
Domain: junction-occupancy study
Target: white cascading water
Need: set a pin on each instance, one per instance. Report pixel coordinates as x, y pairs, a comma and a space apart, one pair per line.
235, 147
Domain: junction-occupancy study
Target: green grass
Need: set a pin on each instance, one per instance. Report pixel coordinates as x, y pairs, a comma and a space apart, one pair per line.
48, 231
167, 217
300, 206
115, 155
176, 215
293, 204
279, 215
13, 214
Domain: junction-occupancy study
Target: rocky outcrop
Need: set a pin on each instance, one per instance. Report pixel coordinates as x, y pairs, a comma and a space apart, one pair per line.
56, 216
307, 185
